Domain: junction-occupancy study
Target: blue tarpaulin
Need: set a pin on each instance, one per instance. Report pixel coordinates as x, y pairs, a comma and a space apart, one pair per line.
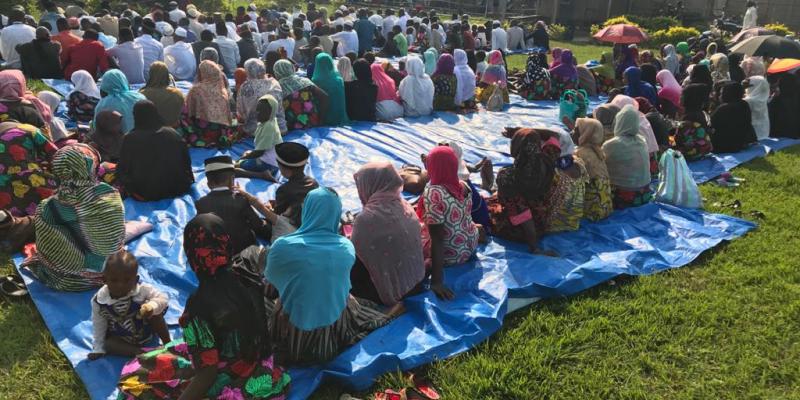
504, 275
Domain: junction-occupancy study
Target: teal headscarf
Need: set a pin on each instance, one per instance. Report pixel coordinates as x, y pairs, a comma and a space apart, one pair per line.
327, 78
431, 57
118, 97
311, 267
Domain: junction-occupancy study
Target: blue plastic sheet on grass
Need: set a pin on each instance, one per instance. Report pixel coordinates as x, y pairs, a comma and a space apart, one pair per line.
638, 241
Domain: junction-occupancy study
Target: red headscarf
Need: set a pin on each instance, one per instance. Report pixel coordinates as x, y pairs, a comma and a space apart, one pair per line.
442, 164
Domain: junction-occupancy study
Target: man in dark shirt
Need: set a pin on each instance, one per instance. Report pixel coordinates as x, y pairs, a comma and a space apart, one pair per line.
241, 221
41, 57
292, 159
206, 40
247, 46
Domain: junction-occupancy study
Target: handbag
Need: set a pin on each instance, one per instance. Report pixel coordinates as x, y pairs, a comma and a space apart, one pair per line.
677, 186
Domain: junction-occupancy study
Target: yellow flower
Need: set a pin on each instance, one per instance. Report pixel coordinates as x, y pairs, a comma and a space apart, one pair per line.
133, 386
14, 170
20, 188
37, 180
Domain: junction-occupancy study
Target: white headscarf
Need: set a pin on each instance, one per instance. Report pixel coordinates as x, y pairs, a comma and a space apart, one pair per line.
84, 83
464, 76
416, 89
671, 61
58, 130
345, 68
463, 172
645, 129
757, 95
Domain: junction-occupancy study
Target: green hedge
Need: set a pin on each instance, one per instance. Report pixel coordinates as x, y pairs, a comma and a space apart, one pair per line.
659, 29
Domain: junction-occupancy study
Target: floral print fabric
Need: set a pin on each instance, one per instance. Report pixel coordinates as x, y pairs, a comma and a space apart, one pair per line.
460, 233
444, 92
23, 181
566, 200
80, 107
624, 198
301, 110
692, 139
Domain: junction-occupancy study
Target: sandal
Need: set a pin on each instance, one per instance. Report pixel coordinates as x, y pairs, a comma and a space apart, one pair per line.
13, 287
390, 394
424, 388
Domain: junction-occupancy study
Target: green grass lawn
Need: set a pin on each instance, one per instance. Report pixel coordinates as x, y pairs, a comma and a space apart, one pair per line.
726, 326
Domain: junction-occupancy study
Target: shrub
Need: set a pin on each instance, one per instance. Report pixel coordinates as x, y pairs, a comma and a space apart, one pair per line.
655, 23
594, 29
672, 35
779, 29
618, 20
557, 31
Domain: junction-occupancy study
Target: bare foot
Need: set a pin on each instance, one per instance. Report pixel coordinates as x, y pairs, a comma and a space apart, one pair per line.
396, 311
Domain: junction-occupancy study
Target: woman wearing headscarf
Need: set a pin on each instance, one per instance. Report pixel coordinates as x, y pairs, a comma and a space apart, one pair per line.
734, 65
753, 66
784, 107
692, 137
19, 104
84, 97
671, 61
628, 162
669, 95
106, 137
386, 237
445, 208
645, 130
154, 161
117, 96
465, 77
661, 126
257, 85
719, 68
586, 80
207, 121
649, 72
224, 332
604, 74
387, 105
239, 77
445, 84
565, 200
269, 61
495, 74
564, 75
605, 113
328, 79
597, 202
79, 226
535, 83
314, 319
392, 72
345, 68
701, 74
757, 96
684, 58
431, 56
556, 53
517, 209
648, 58
416, 90
361, 93
26, 181
57, 128
304, 103
635, 87
627, 59
732, 121
161, 90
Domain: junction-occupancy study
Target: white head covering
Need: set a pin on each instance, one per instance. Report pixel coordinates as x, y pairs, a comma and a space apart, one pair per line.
464, 76
463, 172
757, 95
167, 30
180, 32
645, 129
58, 130
345, 68
567, 145
84, 83
416, 89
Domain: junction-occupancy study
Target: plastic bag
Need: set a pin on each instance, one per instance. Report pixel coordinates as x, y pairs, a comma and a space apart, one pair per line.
677, 186
495, 102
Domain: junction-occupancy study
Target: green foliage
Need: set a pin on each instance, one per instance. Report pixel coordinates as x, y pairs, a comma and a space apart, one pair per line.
672, 35
652, 24
594, 29
779, 29
557, 31
209, 6
618, 20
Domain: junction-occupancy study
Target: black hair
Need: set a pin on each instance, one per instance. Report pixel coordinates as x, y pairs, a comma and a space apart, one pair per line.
122, 261
183, 21
297, 32
219, 178
125, 35
480, 55
90, 34
62, 24
207, 36
222, 29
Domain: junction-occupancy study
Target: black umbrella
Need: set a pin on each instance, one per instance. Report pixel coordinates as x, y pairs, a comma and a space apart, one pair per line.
768, 46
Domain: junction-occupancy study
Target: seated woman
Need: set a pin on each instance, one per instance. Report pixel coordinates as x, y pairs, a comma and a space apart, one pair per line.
79, 226
465, 77
535, 83
783, 109
161, 90
431, 57
693, 136
416, 90
304, 103
604, 75
225, 350
345, 68
636, 87
314, 319
661, 126
564, 75
645, 130
669, 95
388, 105
117, 96
154, 160
361, 93
396, 75
19, 104
207, 117
732, 125
386, 237
757, 97
495, 74
628, 162
522, 188
565, 200
25, 181
83, 99
327, 78
257, 85
107, 136
597, 203
586, 81
605, 113
445, 84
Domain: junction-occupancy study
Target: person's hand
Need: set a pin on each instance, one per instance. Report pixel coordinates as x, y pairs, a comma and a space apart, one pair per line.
146, 311
250, 198
443, 292
95, 356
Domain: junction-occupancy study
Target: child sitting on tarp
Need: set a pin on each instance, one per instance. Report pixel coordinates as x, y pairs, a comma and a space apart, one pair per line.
262, 160
126, 314
292, 158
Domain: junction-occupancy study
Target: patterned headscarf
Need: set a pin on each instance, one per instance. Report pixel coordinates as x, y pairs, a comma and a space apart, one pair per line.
532, 173
290, 82
590, 142
207, 245
445, 66
208, 98
14, 88
75, 166
534, 71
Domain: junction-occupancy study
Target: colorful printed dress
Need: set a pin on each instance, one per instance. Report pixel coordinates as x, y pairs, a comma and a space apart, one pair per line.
444, 92
538, 90
625, 198
460, 233
166, 372
23, 181
597, 203
604, 84
566, 200
80, 107
200, 133
301, 109
561, 84
692, 139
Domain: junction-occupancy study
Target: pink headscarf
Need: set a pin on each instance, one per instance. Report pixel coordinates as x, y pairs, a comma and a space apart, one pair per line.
442, 164
556, 53
496, 71
387, 90
670, 88
386, 234
13, 88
